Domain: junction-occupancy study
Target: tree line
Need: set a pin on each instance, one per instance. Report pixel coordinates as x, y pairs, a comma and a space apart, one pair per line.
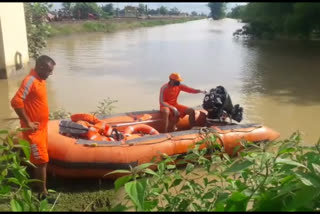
82, 9
267, 20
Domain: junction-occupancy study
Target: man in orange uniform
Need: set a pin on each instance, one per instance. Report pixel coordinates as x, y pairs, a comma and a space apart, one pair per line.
168, 102
31, 105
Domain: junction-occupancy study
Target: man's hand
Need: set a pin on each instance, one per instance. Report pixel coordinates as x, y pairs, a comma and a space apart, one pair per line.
203, 92
34, 126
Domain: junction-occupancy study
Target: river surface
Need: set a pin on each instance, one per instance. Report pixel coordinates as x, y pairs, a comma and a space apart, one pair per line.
277, 82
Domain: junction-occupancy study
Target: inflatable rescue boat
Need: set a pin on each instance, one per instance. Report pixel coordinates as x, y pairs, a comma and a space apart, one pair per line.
85, 147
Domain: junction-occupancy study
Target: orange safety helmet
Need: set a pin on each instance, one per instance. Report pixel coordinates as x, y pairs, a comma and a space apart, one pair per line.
176, 77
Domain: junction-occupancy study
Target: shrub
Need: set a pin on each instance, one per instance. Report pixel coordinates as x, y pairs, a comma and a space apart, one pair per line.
14, 179
278, 176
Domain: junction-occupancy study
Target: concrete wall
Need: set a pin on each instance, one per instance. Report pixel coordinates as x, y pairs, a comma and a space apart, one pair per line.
13, 39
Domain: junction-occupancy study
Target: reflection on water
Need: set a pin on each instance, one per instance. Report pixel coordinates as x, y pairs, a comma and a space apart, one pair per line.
277, 83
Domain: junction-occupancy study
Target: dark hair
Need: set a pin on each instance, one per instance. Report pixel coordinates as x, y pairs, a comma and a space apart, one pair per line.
44, 59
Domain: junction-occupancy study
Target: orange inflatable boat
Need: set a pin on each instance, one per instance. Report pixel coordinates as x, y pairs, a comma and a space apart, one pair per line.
137, 138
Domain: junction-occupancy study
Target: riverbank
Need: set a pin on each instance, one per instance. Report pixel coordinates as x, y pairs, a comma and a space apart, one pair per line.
112, 25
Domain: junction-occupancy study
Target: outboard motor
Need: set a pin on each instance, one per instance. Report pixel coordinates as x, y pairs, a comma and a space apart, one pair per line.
219, 105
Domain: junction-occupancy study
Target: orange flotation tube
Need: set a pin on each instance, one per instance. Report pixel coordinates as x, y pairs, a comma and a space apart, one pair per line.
85, 117
146, 129
74, 157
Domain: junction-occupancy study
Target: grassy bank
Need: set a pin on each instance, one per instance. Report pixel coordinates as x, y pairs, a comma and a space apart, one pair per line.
111, 25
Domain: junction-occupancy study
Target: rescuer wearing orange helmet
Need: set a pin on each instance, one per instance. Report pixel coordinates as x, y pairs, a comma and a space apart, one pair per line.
31, 105
169, 93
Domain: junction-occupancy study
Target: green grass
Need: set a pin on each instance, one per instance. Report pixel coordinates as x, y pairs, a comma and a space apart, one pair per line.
77, 195
110, 25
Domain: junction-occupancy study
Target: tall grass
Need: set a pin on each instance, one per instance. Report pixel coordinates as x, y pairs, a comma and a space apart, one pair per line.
110, 25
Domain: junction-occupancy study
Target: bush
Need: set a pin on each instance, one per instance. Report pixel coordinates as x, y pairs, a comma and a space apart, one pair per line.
38, 29
278, 176
14, 179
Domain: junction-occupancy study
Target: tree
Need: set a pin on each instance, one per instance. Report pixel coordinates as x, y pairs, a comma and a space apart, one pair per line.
82, 9
217, 10
237, 12
163, 10
37, 27
142, 9
194, 13
108, 8
174, 11
67, 8
154, 12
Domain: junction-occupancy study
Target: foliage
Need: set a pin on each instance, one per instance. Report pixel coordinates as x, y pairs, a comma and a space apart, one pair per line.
108, 9
289, 18
67, 7
174, 11
194, 13
237, 12
14, 179
59, 114
163, 10
278, 176
37, 27
217, 10
142, 9
84, 8
105, 107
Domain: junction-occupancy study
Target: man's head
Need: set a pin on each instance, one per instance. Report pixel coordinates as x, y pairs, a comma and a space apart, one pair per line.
175, 79
44, 66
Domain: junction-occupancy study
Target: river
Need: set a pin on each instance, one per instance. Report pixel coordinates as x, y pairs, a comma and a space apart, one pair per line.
276, 82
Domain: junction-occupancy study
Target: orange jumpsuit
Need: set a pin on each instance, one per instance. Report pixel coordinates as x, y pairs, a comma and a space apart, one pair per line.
32, 96
169, 95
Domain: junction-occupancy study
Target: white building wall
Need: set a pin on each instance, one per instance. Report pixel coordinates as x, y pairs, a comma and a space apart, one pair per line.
13, 38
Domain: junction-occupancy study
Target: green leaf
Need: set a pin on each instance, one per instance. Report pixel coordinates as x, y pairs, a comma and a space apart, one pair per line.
171, 166
308, 179
303, 198
15, 205
136, 191
27, 195
121, 181
238, 166
4, 189
4, 173
143, 166
227, 157
25, 147
287, 179
176, 182
189, 168
208, 195
286, 150
44, 206
289, 162
219, 207
205, 181
150, 205
118, 171
316, 168
10, 142
119, 208
151, 172
238, 196
14, 180
51, 191
237, 202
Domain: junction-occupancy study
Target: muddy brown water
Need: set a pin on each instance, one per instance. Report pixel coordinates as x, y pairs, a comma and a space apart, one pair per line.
277, 82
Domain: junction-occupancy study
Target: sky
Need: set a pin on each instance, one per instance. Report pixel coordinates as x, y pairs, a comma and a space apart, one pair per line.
199, 7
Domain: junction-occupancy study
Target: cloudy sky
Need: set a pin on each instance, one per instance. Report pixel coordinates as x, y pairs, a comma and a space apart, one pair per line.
199, 7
